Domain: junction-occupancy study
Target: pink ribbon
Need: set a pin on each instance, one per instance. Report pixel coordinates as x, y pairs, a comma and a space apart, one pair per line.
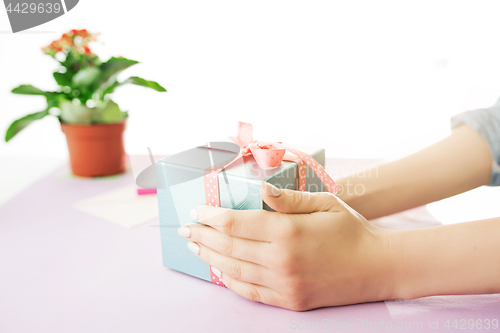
267, 155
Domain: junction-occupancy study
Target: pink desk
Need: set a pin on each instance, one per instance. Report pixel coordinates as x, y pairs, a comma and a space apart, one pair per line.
65, 271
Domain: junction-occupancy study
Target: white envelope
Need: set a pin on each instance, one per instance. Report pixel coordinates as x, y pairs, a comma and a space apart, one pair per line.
122, 206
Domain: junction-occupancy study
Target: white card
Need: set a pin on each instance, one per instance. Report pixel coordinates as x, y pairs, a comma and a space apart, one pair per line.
122, 206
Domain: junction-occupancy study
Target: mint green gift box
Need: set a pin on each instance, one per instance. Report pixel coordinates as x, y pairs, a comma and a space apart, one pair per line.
180, 188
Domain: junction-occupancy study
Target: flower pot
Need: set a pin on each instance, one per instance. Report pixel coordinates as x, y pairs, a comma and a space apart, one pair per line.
95, 150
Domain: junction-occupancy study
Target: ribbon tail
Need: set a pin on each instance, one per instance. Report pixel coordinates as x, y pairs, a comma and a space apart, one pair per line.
212, 196
325, 178
245, 134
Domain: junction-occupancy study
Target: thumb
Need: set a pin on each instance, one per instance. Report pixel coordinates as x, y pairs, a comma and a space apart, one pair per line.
295, 202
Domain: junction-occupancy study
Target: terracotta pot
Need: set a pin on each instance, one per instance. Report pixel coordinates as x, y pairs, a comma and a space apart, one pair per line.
95, 150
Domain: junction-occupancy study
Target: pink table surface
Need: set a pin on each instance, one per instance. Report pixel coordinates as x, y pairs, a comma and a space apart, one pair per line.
65, 271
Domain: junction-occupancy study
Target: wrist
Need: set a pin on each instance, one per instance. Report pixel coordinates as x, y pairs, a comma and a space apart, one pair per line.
397, 261
384, 267
421, 268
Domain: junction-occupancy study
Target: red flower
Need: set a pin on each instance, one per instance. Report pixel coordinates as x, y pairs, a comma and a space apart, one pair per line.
66, 42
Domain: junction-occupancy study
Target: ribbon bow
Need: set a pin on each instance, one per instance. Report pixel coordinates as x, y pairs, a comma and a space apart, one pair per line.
268, 155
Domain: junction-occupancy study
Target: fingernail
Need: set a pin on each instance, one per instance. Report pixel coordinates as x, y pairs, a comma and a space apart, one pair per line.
271, 190
193, 214
216, 272
195, 248
184, 232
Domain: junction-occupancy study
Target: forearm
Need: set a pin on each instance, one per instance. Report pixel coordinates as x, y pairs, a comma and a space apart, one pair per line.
454, 259
454, 165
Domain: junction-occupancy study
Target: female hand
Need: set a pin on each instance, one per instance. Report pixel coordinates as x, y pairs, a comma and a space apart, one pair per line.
314, 251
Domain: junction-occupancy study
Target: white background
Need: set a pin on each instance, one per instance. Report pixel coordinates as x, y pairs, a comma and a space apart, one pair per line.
360, 78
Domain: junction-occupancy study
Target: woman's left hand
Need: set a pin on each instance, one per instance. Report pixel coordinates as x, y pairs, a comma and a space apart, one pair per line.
314, 251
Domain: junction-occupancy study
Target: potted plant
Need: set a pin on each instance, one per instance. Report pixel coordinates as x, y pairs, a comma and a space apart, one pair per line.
92, 122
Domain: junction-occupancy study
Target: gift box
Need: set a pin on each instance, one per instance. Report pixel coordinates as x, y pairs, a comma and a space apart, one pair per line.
227, 173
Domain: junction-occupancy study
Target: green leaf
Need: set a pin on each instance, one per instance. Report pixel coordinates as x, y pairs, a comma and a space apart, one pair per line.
55, 99
111, 113
110, 70
110, 88
137, 81
145, 83
114, 66
75, 114
86, 77
62, 79
81, 114
27, 89
18, 125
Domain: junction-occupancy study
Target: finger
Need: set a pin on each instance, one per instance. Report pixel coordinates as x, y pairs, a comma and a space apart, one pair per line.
235, 247
258, 225
289, 201
253, 292
238, 269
